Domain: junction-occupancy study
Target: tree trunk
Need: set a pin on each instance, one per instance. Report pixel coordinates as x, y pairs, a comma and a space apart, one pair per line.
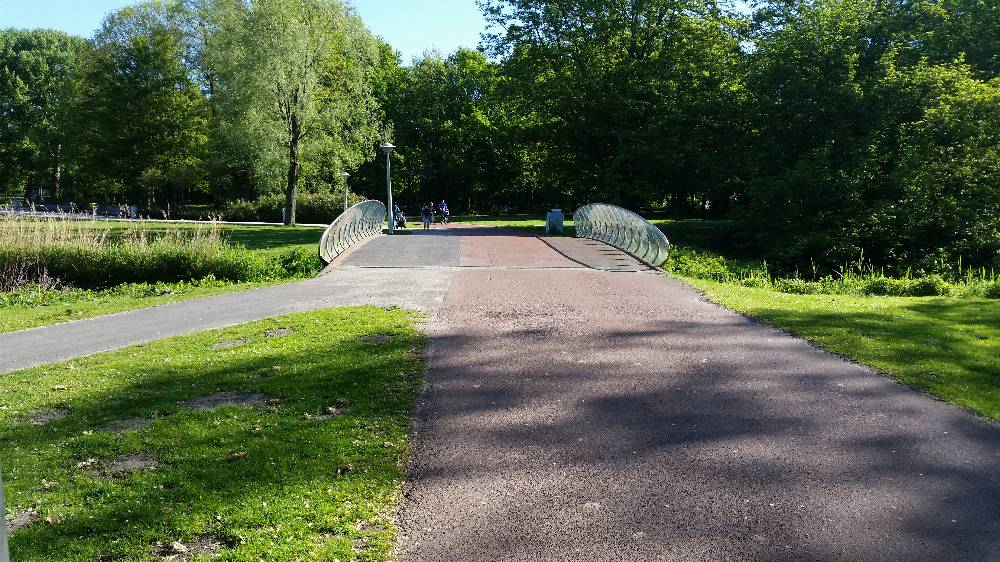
57, 174
293, 169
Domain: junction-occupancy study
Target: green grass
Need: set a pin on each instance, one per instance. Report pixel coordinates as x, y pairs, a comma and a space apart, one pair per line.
271, 481
947, 347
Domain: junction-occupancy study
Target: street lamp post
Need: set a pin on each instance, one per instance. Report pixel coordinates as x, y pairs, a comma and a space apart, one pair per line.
4, 553
387, 148
346, 175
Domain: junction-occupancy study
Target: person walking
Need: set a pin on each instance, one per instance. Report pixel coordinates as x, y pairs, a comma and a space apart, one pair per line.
443, 209
428, 215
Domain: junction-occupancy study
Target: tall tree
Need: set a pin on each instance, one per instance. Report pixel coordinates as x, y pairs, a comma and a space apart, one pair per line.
298, 77
140, 117
37, 69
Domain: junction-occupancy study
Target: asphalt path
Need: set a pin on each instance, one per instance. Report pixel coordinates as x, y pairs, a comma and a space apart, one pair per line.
578, 406
578, 414
417, 290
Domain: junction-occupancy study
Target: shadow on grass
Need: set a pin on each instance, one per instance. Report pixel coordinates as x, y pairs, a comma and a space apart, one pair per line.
268, 480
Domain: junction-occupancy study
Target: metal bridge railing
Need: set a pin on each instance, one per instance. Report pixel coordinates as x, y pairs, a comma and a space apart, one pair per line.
624, 230
361, 221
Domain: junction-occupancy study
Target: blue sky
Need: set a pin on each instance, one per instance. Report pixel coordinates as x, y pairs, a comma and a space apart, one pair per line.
411, 26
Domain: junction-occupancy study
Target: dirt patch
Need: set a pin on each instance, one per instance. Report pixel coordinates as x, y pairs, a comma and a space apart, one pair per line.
22, 519
232, 343
221, 399
120, 466
201, 546
279, 333
47, 416
375, 338
123, 426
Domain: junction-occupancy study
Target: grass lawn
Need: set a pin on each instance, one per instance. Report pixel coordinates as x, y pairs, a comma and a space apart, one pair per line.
948, 347
283, 439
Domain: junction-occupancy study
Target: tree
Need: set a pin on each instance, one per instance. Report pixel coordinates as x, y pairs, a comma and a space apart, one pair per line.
634, 102
296, 76
141, 121
454, 122
37, 69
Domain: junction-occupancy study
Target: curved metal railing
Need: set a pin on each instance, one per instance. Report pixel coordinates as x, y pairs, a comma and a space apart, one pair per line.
361, 221
624, 230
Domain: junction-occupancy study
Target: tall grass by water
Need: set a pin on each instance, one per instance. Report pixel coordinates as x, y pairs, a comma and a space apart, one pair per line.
52, 252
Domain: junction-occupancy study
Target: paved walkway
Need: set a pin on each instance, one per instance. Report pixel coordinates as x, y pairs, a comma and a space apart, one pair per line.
573, 413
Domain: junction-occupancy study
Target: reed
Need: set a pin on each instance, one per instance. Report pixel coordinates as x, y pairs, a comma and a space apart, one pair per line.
90, 254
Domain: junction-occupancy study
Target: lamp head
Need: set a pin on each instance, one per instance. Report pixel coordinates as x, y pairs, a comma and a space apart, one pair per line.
387, 148
345, 174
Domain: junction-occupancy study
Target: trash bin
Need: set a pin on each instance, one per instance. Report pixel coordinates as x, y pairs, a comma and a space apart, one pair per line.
554, 221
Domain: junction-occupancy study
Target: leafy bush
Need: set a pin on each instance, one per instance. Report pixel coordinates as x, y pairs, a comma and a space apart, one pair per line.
797, 286
929, 286
992, 290
316, 208
117, 263
853, 279
883, 286
301, 263
703, 264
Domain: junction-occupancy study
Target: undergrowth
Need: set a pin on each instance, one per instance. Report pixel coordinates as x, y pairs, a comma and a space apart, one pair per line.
856, 278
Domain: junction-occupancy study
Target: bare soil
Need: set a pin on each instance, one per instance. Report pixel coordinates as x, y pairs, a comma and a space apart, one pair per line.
220, 399
179, 551
123, 465
47, 416
124, 426
232, 343
375, 338
22, 519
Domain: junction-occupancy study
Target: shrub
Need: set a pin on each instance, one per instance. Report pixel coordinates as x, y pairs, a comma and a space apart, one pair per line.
929, 286
992, 290
301, 263
882, 286
797, 286
318, 208
702, 264
33, 294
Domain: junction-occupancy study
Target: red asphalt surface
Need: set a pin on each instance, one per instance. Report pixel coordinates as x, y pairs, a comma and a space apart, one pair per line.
577, 414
